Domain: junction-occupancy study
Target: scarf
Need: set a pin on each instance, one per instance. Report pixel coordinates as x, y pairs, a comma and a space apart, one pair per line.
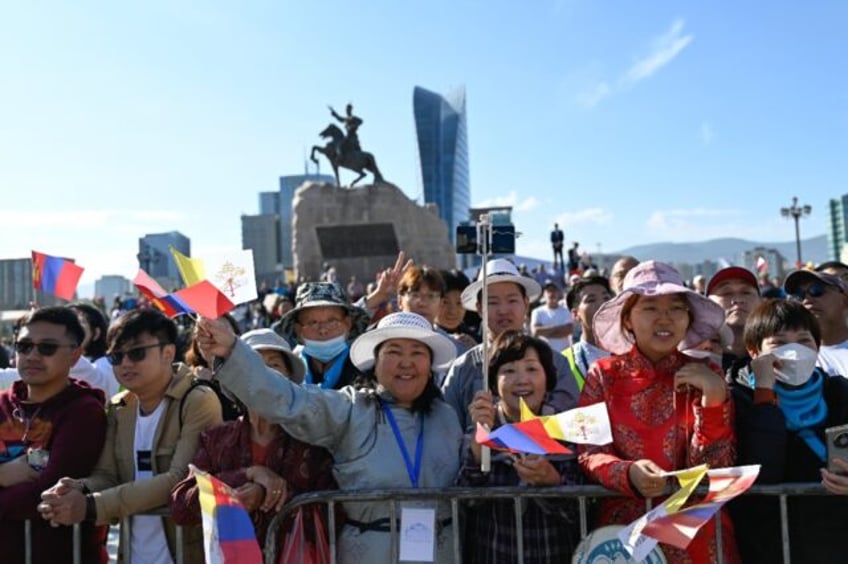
804, 409
332, 375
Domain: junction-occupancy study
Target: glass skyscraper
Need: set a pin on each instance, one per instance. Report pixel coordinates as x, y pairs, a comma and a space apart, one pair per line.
837, 227
442, 131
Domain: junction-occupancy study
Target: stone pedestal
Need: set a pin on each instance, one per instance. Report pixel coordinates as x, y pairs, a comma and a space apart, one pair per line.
360, 231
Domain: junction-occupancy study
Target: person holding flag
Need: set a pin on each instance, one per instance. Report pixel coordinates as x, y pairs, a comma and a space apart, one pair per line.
668, 411
391, 429
521, 369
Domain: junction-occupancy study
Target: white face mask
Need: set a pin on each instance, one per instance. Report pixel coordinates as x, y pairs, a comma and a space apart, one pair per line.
697, 353
798, 362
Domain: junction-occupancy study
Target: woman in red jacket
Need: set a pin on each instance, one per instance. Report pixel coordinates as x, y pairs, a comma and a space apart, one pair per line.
668, 411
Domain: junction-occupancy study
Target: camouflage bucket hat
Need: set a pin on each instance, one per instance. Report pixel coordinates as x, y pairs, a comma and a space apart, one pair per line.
323, 294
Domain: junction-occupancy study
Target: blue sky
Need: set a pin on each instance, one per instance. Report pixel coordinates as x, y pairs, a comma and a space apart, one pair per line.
626, 122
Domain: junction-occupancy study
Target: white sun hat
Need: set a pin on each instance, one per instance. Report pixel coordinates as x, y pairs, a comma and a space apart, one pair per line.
268, 340
402, 325
499, 270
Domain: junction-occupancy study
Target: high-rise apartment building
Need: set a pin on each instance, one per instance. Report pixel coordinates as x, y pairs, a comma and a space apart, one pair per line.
442, 132
109, 286
837, 227
154, 256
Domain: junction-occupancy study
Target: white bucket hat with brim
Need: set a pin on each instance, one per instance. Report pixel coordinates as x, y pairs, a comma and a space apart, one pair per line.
497, 271
402, 325
268, 340
652, 278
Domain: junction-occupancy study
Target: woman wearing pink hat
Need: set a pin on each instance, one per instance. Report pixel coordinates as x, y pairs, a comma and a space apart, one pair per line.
668, 411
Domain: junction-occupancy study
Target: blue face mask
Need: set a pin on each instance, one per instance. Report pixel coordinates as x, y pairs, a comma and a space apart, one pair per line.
325, 351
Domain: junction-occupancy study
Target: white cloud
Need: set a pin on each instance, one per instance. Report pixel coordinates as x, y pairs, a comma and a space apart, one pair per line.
86, 219
707, 133
593, 95
588, 87
664, 49
589, 216
527, 204
690, 221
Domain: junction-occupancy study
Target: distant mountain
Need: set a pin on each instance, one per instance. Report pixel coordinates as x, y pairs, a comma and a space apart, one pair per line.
813, 249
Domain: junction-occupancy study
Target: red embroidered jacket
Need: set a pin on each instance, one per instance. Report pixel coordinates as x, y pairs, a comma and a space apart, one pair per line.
650, 420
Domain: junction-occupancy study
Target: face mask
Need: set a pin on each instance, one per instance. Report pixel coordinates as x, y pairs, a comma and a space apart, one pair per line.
798, 363
715, 358
325, 350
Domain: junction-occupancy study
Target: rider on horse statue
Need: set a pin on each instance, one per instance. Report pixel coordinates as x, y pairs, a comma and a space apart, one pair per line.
343, 149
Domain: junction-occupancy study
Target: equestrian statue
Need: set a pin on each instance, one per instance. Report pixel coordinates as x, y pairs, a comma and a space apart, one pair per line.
343, 150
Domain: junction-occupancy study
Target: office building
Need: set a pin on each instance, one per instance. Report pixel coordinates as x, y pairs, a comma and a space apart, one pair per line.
837, 227
261, 233
16, 291
154, 256
442, 132
279, 204
111, 285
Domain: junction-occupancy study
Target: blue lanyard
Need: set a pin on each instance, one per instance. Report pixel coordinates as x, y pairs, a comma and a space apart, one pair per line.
413, 471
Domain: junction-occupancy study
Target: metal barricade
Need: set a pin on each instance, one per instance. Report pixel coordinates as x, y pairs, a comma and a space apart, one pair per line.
517, 494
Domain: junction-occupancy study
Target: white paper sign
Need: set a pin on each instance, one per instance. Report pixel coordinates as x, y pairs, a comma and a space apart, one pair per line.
233, 274
417, 534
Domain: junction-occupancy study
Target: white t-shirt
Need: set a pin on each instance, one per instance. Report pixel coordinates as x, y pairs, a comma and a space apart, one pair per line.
547, 317
149, 543
833, 359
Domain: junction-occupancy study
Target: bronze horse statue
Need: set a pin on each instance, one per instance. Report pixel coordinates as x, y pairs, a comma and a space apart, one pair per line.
334, 150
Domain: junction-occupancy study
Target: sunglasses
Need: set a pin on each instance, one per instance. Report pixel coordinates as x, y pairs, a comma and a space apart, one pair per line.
136, 354
814, 290
44, 349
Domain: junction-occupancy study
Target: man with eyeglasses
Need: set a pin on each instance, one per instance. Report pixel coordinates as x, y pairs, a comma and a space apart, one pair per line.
323, 323
50, 426
826, 297
152, 436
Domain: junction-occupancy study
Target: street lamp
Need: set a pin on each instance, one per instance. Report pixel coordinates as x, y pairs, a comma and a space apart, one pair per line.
796, 212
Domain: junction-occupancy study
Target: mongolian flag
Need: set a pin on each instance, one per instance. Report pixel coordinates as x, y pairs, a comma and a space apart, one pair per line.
169, 304
55, 275
228, 534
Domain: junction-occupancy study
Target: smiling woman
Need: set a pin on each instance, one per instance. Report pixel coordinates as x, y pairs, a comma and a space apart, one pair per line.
391, 429
521, 368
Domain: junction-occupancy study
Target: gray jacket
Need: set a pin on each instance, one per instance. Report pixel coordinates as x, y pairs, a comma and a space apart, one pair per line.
351, 425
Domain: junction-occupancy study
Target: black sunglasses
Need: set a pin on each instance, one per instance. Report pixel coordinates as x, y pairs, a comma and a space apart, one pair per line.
44, 349
136, 354
814, 290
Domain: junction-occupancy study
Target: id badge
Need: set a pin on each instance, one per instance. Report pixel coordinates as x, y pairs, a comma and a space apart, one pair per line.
37, 458
417, 534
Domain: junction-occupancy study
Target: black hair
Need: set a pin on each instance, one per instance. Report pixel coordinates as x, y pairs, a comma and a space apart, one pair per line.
772, 316
511, 346
57, 315
96, 321
455, 280
579, 285
138, 321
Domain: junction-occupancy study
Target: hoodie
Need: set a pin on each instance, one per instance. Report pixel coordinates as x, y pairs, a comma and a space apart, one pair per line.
71, 427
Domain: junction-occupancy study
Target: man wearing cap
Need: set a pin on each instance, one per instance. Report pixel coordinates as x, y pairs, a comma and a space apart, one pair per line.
323, 322
834, 268
737, 291
509, 296
552, 322
826, 297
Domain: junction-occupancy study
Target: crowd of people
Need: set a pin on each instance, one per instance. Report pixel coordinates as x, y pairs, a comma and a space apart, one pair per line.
307, 390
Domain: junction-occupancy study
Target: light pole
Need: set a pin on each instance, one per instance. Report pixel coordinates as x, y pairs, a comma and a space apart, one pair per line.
796, 212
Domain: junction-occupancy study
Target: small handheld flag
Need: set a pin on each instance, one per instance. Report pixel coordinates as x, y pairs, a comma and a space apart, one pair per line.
191, 270
228, 534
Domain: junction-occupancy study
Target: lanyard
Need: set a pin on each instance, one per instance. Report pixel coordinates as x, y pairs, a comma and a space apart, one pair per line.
413, 471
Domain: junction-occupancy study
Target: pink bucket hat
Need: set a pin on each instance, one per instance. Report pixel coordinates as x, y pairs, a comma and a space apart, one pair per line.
652, 278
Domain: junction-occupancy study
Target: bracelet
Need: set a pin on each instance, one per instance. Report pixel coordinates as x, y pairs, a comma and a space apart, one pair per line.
90, 508
765, 396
